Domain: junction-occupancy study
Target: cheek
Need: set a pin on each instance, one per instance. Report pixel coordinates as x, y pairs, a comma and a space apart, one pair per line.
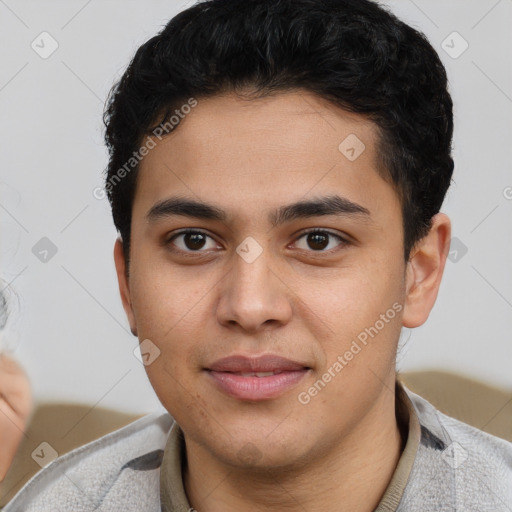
170, 315
165, 302
179, 395
363, 309
353, 298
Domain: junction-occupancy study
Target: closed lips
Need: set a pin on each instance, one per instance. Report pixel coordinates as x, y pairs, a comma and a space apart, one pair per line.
256, 374
261, 366
259, 378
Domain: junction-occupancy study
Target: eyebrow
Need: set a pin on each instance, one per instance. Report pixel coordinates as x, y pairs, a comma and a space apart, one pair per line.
330, 205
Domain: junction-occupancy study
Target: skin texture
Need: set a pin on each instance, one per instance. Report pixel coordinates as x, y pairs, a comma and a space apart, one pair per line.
15, 407
339, 451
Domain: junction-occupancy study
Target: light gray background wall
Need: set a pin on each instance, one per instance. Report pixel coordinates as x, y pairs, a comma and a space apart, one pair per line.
68, 327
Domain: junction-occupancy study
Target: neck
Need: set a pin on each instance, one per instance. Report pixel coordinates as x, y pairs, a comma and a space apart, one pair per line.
353, 476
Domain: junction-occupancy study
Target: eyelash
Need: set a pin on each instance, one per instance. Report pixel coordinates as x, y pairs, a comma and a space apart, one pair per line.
168, 243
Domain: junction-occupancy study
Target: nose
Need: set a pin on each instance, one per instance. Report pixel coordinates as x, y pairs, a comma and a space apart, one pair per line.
253, 295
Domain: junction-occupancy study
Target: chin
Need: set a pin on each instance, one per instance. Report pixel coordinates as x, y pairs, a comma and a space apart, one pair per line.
259, 454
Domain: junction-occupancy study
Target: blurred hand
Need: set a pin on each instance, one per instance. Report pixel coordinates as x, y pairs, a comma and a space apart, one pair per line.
15, 407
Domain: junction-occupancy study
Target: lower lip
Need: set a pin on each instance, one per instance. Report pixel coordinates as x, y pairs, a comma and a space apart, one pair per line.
257, 388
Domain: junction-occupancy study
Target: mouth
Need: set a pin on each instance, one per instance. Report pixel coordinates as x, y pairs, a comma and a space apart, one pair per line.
256, 378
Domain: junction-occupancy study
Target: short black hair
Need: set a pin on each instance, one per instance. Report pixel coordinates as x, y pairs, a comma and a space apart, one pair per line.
354, 53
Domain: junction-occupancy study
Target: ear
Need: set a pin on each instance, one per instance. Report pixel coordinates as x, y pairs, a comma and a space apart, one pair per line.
425, 270
124, 285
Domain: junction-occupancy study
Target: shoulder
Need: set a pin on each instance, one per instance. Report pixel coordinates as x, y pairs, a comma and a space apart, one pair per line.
457, 464
121, 468
450, 429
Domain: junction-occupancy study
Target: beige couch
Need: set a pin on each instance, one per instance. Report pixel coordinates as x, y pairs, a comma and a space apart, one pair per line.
66, 426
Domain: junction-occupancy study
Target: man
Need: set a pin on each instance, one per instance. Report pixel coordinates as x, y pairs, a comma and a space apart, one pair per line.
276, 174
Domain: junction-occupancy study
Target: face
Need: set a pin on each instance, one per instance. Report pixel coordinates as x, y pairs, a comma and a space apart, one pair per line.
277, 314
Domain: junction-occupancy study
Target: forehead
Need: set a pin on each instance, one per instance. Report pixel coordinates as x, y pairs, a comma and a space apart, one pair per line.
257, 154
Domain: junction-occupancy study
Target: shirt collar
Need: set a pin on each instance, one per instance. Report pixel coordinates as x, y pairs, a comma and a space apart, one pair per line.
172, 492
410, 429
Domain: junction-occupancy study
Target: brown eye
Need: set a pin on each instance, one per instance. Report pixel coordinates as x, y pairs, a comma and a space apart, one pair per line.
320, 241
317, 241
192, 241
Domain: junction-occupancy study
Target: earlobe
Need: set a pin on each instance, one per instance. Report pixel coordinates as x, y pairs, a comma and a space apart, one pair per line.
123, 282
425, 270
